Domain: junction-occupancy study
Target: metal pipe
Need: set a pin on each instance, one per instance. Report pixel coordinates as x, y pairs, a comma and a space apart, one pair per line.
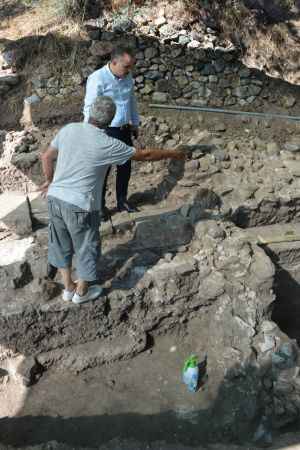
225, 111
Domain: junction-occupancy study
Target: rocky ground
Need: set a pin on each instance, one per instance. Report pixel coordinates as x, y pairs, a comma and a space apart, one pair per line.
141, 401
209, 264
287, 442
183, 275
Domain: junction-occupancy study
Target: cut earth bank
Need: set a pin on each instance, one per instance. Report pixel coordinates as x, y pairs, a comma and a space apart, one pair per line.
193, 271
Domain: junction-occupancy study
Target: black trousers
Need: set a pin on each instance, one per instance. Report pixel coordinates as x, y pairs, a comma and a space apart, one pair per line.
123, 171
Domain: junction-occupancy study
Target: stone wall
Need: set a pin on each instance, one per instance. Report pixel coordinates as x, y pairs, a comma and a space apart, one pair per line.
175, 69
174, 73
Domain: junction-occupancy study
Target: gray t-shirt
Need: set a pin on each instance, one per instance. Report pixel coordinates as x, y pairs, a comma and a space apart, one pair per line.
84, 154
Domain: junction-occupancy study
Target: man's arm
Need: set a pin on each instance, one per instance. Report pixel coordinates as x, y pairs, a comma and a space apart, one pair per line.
121, 153
135, 118
94, 89
157, 155
48, 158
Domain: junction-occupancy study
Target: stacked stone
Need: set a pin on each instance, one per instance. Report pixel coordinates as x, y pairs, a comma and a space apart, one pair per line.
199, 77
7, 81
20, 164
279, 358
174, 70
8, 77
169, 73
46, 85
183, 66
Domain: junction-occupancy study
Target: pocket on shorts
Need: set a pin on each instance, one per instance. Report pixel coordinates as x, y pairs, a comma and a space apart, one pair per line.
54, 209
50, 232
82, 218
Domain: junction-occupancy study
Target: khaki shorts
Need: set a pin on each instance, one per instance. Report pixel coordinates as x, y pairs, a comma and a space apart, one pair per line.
73, 231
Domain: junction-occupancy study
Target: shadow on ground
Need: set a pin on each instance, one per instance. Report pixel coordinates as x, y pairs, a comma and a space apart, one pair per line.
11, 8
156, 234
274, 11
286, 312
233, 415
176, 429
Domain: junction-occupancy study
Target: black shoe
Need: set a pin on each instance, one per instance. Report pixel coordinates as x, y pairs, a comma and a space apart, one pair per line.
51, 271
125, 206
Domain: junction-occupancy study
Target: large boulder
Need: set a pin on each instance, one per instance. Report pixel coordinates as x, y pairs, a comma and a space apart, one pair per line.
15, 212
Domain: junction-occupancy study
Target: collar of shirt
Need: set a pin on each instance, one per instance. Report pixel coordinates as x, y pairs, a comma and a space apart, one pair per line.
113, 75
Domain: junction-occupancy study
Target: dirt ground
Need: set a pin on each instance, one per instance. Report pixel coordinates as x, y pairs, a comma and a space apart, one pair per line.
133, 404
142, 399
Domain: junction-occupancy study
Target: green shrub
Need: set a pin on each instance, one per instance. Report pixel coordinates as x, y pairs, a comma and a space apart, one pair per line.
28, 3
73, 8
286, 4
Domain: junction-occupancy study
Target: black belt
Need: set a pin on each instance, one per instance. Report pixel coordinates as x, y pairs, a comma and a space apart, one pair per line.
127, 126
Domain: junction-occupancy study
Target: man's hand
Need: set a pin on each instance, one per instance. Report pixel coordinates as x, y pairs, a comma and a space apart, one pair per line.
185, 148
177, 154
48, 158
44, 188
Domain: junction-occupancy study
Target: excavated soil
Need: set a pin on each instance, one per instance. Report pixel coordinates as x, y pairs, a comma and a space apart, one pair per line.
141, 400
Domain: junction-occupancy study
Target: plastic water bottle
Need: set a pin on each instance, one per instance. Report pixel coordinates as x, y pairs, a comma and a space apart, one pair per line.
191, 373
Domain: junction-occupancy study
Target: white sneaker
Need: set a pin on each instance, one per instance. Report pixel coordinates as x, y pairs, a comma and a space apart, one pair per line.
92, 293
67, 295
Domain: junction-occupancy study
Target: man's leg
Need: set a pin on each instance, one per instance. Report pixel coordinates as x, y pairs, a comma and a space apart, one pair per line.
84, 230
82, 287
66, 275
123, 176
122, 182
105, 189
60, 248
123, 171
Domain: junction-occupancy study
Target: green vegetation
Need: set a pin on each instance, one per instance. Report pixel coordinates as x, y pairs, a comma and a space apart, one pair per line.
75, 9
287, 4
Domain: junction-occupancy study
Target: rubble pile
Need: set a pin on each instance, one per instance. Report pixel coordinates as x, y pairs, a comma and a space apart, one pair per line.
19, 162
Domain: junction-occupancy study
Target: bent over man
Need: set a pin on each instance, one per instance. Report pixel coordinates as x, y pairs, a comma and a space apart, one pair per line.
83, 153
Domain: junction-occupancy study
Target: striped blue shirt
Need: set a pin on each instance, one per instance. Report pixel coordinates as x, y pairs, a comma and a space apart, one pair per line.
121, 90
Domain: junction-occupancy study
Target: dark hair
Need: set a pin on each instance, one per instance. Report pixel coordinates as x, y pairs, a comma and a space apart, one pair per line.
120, 50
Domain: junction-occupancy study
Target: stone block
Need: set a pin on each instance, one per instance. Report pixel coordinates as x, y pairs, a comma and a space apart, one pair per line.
245, 72
14, 251
151, 52
101, 48
30, 371
160, 97
194, 44
241, 92
254, 90
293, 166
15, 212
165, 230
288, 101
293, 146
9, 79
93, 31
123, 25
50, 107
39, 210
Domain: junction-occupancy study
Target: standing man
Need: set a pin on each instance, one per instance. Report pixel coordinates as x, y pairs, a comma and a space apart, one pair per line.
83, 153
115, 80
